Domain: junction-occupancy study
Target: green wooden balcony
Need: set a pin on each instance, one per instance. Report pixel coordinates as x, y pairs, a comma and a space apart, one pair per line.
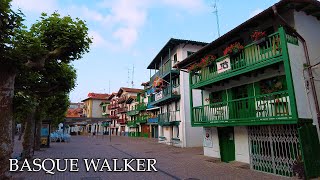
132, 112
164, 70
132, 124
141, 106
263, 109
252, 57
165, 95
169, 118
104, 114
142, 119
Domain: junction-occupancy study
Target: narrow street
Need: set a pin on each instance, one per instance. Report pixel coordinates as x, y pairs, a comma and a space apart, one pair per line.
172, 162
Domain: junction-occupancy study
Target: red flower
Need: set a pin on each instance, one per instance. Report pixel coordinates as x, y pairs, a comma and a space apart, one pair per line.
204, 62
258, 35
236, 47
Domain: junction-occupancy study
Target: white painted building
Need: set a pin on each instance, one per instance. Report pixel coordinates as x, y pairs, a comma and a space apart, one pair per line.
171, 93
257, 105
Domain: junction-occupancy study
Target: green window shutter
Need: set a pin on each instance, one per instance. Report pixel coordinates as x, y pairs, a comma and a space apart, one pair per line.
210, 98
257, 88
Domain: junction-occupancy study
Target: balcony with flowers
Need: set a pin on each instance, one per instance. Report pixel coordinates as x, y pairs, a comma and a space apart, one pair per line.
132, 123
164, 92
142, 118
133, 112
264, 50
164, 71
141, 106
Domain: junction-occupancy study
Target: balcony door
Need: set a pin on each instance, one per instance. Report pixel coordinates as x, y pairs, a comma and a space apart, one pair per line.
242, 106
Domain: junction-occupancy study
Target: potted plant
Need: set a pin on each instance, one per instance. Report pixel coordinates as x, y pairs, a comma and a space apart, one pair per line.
157, 90
259, 37
233, 49
194, 67
207, 61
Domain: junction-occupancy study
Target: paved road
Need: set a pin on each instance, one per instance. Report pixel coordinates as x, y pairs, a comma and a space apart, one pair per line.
172, 162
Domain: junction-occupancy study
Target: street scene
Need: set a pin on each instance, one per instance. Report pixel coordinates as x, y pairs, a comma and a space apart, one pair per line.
145, 89
172, 162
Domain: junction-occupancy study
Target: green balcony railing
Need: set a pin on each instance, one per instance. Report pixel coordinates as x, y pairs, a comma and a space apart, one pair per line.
169, 118
132, 112
163, 70
142, 119
252, 57
141, 106
263, 109
172, 91
131, 123
104, 114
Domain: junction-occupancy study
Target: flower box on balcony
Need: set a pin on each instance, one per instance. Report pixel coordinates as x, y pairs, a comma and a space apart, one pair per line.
260, 41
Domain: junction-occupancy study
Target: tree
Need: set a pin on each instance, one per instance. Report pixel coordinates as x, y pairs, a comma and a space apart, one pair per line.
52, 38
43, 86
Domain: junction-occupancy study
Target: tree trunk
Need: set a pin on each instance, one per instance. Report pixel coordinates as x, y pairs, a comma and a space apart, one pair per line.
28, 138
38, 129
22, 130
7, 79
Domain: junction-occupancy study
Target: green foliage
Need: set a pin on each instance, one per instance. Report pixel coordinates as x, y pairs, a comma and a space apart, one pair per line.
53, 42
23, 105
58, 108
63, 33
10, 23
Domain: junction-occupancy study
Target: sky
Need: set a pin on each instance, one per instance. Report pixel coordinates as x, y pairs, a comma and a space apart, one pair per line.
129, 33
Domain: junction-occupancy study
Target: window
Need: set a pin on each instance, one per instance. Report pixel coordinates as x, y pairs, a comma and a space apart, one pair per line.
216, 99
175, 58
177, 106
175, 132
272, 85
189, 53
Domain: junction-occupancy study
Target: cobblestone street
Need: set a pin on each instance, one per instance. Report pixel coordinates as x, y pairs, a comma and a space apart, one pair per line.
172, 162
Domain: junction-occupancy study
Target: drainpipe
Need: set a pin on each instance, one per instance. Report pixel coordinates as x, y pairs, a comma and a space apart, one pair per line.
304, 44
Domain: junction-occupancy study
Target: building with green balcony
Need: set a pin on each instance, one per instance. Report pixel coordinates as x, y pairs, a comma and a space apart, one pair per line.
169, 91
257, 102
139, 115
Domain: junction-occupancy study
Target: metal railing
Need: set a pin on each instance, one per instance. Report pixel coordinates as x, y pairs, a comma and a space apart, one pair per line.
168, 117
252, 55
163, 70
142, 118
169, 91
251, 110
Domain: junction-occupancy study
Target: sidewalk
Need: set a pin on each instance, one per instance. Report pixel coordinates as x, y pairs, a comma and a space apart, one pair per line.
172, 162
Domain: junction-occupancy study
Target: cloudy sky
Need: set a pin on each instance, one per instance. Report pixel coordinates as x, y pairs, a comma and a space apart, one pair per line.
129, 33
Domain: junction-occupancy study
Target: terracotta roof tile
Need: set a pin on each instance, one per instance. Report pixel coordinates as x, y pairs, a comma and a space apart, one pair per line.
98, 96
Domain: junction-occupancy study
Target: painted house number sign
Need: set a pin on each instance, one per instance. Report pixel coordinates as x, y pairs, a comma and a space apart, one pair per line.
224, 65
207, 141
158, 96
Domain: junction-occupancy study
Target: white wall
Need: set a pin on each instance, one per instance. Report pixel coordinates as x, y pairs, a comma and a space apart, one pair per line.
213, 151
308, 27
297, 60
96, 108
241, 141
189, 136
193, 135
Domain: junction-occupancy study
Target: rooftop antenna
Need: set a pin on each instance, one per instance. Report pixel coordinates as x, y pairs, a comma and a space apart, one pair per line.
128, 81
215, 11
132, 83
